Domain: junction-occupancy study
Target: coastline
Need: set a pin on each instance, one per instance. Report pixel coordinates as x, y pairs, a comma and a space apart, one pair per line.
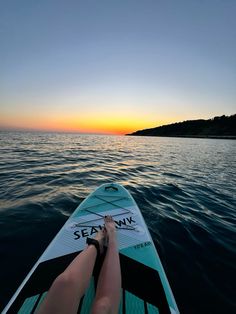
223, 127
219, 137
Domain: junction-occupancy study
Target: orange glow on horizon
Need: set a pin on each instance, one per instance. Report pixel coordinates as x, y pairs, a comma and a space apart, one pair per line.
107, 124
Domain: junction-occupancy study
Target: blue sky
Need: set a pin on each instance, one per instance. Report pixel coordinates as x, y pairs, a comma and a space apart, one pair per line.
79, 64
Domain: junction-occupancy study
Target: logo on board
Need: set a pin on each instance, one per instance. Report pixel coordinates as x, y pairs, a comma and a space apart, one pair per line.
89, 231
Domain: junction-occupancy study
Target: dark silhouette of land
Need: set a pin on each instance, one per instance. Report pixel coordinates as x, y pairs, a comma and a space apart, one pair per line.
218, 127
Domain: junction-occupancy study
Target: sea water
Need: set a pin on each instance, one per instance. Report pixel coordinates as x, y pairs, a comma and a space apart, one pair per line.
185, 188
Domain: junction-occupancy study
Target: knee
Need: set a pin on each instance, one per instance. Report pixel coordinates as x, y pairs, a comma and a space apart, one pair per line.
63, 281
103, 305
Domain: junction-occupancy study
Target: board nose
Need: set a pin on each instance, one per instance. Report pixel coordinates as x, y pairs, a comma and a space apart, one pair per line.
111, 187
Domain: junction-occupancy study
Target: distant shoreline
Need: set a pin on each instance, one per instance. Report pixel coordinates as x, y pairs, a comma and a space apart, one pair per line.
190, 136
223, 127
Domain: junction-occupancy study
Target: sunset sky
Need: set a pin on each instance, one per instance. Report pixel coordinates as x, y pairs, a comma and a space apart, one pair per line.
115, 66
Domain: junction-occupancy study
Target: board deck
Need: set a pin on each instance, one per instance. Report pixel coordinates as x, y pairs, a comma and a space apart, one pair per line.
145, 288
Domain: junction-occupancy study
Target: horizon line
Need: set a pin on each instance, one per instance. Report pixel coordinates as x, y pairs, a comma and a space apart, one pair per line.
12, 129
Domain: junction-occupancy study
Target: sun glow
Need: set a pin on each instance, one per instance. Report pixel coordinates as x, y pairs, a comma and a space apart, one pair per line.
86, 123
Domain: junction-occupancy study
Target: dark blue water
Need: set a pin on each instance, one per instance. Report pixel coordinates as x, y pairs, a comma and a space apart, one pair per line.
185, 189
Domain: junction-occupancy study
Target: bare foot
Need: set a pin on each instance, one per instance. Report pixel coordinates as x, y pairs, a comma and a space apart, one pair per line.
110, 228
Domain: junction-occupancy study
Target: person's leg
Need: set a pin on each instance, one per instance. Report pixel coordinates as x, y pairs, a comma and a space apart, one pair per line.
108, 291
68, 288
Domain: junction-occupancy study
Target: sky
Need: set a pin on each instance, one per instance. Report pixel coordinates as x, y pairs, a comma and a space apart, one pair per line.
115, 66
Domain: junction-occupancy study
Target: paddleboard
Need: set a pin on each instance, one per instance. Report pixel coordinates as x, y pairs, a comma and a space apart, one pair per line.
145, 288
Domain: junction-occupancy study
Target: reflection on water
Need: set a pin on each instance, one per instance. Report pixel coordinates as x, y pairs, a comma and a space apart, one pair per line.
184, 187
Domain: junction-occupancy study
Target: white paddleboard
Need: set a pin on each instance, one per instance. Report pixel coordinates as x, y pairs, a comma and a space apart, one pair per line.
145, 288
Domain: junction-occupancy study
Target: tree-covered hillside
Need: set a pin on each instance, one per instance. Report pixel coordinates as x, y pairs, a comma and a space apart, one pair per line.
217, 127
